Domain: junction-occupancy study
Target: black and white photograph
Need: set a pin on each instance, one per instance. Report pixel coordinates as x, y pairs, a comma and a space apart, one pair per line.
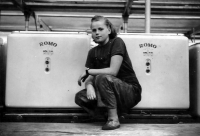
99, 67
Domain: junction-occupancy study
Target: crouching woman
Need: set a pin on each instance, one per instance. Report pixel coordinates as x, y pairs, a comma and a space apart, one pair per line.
109, 78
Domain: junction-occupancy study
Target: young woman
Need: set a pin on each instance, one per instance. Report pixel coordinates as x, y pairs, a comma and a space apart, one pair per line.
109, 77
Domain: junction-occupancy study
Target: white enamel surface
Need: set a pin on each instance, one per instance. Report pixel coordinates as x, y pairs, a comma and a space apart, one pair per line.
167, 84
29, 85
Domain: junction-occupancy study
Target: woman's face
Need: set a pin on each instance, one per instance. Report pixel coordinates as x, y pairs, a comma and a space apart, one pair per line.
100, 32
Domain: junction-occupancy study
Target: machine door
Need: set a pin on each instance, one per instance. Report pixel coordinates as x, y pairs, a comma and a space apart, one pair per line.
43, 69
162, 67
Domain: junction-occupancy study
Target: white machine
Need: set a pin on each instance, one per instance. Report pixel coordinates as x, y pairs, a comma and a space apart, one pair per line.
194, 57
43, 68
162, 66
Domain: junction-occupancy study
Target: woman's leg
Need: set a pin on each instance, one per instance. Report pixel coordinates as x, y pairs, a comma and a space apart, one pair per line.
88, 105
115, 94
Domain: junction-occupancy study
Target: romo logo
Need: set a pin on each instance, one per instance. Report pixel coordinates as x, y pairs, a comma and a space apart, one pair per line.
48, 43
148, 45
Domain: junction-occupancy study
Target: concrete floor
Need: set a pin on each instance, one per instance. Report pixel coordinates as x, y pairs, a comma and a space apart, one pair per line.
94, 129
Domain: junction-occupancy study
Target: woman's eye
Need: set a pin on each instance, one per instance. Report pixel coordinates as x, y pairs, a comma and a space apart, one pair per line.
100, 29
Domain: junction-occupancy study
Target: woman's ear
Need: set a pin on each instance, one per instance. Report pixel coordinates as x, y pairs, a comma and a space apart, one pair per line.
109, 29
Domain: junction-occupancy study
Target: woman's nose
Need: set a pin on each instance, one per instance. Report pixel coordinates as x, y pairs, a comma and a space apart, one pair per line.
97, 32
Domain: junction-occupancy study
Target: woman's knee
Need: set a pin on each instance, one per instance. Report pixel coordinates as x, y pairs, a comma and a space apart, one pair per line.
78, 97
103, 79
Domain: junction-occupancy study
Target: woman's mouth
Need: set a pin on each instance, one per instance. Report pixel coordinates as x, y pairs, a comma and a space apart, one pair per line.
98, 37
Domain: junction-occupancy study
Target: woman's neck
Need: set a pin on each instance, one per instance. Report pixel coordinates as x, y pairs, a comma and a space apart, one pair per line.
104, 43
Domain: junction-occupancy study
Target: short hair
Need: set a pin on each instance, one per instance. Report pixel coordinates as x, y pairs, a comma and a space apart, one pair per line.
113, 33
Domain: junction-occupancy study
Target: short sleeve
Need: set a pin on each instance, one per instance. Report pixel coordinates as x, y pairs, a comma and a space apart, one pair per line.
118, 47
89, 62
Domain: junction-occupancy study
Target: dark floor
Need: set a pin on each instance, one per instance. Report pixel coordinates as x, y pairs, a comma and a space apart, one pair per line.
61, 123
94, 129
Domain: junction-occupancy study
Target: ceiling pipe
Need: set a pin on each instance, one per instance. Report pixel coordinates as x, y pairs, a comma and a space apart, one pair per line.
126, 14
125, 24
108, 16
22, 6
26, 10
148, 16
27, 16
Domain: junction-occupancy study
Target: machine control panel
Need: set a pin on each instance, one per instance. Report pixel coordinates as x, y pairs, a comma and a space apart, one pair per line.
47, 64
148, 66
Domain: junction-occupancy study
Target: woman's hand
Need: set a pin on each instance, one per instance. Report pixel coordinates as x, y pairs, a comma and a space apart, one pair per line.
91, 95
82, 78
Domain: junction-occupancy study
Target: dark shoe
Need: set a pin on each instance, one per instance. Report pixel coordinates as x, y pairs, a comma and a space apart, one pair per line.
111, 124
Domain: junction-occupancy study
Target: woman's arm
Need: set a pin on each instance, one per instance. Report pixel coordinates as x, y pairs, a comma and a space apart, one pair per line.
115, 65
89, 81
91, 95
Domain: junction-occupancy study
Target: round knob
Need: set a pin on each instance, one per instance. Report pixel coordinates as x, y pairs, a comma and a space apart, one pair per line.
148, 71
147, 64
47, 69
47, 62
